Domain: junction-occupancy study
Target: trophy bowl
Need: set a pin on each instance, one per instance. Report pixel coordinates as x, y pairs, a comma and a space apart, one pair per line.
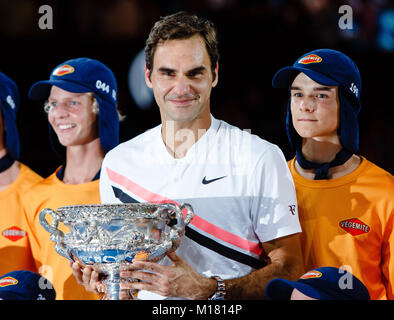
108, 237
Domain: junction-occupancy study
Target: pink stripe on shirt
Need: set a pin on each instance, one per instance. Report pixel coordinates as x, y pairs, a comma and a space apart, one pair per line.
197, 221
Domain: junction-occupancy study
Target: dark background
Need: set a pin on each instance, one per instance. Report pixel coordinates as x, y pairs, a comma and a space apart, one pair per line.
256, 39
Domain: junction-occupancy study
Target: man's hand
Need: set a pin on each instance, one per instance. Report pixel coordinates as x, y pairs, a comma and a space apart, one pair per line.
87, 277
182, 281
178, 280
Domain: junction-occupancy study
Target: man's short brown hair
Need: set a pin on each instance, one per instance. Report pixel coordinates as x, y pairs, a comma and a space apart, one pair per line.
182, 25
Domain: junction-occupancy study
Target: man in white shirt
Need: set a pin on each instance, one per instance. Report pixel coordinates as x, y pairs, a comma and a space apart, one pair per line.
245, 225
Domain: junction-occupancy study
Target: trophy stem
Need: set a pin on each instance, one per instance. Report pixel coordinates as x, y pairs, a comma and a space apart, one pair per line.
113, 284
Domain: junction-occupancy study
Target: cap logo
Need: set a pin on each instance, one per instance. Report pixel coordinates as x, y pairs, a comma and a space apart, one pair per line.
311, 274
102, 86
11, 102
62, 70
14, 233
354, 226
353, 89
8, 281
310, 58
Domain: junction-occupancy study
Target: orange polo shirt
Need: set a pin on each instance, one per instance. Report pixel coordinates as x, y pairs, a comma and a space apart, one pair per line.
348, 221
53, 193
15, 251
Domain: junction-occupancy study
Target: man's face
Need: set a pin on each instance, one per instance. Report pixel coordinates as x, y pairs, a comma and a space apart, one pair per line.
71, 117
181, 79
314, 109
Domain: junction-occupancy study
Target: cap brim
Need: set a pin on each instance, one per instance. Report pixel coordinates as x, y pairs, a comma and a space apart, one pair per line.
10, 295
41, 90
27, 287
281, 289
285, 77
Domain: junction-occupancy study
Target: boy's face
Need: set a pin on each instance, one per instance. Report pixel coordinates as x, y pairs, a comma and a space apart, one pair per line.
314, 109
298, 295
71, 116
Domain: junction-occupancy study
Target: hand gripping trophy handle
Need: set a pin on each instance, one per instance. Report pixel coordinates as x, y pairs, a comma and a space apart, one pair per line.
105, 235
57, 235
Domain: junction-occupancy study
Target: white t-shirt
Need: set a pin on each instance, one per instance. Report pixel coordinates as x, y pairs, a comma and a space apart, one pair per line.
238, 184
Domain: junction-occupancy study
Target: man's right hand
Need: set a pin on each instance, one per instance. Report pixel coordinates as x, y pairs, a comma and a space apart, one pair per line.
87, 277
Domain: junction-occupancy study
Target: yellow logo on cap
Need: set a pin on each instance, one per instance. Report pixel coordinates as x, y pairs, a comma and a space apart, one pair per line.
8, 281
62, 70
311, 274
311, 58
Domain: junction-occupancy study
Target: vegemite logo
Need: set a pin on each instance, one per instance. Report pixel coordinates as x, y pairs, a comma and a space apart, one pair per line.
354, 226
8, 281
311, 274
310, 58
62, 70
14, 233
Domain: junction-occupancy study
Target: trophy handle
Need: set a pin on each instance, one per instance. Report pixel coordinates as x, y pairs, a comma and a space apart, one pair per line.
189, 213
57, 235
44, 222
181, 222
178, 229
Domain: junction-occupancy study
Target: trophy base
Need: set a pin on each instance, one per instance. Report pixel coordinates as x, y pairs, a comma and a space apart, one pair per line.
123, 295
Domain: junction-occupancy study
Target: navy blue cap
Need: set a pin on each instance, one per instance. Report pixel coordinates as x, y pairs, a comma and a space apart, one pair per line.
9, 103
82, 75
325, 66
331, 68
326, 283
25, 285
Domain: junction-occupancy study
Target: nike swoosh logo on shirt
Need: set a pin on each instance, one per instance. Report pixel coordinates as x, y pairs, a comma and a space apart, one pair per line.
205, 181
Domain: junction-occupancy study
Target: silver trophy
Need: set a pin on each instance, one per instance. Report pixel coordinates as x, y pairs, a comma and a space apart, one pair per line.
108, 237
